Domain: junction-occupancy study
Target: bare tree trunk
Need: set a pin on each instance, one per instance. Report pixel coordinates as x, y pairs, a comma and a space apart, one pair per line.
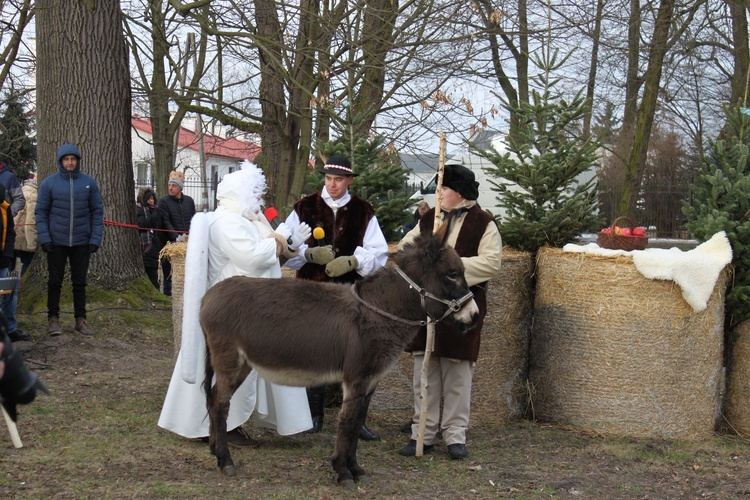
645, 117
741, 51
591, 82
83, 98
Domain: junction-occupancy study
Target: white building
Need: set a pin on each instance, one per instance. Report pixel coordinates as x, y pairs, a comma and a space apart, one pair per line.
222, 156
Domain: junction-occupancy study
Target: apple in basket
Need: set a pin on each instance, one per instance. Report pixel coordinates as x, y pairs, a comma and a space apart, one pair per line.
606, 230
626, 231
639, 231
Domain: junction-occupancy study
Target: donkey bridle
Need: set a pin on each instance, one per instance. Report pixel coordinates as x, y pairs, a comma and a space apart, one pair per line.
453, 305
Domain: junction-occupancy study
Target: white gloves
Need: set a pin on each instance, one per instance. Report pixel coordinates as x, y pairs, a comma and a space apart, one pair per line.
284, 231
300, 235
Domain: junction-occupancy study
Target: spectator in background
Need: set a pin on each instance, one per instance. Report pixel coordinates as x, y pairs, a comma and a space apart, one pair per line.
69, 222
14, 197
26, 237
147, 216
13, 192
7, 260
177, 210
422, 209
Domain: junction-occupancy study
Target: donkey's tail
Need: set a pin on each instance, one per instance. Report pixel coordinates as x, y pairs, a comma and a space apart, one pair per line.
207, 382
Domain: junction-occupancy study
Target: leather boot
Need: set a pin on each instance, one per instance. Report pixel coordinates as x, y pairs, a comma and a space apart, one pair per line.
316, 399
366, 434
53, 327
83, 328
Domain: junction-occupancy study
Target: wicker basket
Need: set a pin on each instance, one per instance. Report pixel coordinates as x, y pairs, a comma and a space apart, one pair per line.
614, 241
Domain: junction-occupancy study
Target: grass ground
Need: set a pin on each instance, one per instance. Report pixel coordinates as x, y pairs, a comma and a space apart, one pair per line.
95, 436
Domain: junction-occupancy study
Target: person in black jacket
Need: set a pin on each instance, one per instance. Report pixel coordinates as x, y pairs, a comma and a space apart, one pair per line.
177, 210
147, 216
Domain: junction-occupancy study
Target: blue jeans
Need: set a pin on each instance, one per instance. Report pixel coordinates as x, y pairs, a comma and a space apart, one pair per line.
10, 302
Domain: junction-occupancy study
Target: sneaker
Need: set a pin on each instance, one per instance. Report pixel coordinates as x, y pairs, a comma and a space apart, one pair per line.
19, 335
240, 439
53, 327
457, 451
83, 328
410, 450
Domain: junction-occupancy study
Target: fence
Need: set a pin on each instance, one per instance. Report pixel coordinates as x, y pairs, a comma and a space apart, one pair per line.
191, 187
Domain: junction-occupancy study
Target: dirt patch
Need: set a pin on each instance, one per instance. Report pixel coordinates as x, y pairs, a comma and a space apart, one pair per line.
96, 436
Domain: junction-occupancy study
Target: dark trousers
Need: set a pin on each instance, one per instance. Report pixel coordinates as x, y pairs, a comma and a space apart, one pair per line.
166, 271
78, 256
153, 275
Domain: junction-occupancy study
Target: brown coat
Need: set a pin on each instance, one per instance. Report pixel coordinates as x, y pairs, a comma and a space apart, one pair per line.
345, 234
448, 342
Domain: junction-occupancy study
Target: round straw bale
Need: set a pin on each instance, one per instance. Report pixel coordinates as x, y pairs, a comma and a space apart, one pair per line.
613, 352
737, 404
176, 252
498, 393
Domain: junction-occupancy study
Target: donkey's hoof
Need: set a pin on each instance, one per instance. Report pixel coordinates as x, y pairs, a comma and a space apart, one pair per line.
349, 484
229, 470
364, 479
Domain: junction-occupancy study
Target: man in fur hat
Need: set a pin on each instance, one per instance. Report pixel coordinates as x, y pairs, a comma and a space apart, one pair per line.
353, 247
477, 240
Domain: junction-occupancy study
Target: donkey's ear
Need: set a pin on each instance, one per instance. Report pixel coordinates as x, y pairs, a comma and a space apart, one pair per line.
441, 235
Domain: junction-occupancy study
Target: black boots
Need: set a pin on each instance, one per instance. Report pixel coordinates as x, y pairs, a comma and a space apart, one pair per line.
316, 399
366, 434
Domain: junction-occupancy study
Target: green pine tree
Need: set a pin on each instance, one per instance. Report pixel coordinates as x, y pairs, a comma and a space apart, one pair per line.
381, 179
17, 148
544, 158
721, 202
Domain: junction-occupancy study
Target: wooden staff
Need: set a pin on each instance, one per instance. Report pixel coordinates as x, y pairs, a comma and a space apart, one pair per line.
13, 430
430, 344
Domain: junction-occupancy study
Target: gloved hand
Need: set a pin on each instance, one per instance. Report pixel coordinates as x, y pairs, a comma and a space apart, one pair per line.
300, 235
93, 248
284, 230
48, 248
320, 255
341, 265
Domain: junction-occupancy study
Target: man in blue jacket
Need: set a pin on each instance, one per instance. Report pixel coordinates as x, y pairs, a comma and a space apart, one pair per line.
69, 222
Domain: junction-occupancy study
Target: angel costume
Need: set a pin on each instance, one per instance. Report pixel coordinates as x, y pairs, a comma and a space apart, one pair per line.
234, 240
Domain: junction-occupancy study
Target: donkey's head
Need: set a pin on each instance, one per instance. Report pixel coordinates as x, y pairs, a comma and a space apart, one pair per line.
438, 272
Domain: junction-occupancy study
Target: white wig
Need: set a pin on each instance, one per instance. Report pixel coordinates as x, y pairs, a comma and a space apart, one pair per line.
242, 191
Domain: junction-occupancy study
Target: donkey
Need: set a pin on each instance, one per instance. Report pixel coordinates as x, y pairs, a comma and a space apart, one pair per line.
305, 333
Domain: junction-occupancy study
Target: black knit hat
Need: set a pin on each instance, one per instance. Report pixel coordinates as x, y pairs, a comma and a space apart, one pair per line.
337, 165
461, 180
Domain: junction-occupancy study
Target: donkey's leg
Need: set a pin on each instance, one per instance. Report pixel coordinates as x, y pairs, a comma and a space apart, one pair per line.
360, 416
351, 418
217, 414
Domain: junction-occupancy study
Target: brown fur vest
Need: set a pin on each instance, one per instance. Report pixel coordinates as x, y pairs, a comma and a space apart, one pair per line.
448, 342
345, 234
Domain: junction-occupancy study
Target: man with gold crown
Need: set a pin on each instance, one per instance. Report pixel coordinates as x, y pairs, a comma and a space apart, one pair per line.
235, 240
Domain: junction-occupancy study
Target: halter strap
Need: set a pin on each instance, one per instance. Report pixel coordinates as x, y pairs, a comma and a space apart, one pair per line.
453, 305
388, 315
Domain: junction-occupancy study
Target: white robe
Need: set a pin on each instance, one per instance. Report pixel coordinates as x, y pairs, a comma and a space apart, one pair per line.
235, 246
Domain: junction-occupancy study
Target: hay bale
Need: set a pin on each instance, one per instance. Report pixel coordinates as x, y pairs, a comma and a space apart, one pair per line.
613, 352
499, 384
176, 253
498, 393
737, 404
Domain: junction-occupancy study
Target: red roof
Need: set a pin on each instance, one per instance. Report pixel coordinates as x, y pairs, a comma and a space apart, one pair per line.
213, 146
